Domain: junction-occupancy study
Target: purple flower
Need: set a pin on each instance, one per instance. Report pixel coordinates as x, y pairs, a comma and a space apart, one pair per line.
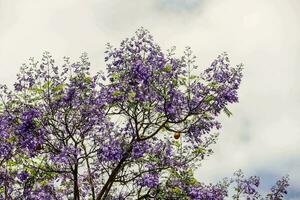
150, 180
110, 135
23, 175
139, 149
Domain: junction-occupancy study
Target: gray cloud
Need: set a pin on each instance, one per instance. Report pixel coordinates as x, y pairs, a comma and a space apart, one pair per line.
179, 5
263, 134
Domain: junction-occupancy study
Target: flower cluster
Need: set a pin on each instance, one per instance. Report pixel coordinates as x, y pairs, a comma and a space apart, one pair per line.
211, 192
279, 190
246, 187
136, 132
149, 180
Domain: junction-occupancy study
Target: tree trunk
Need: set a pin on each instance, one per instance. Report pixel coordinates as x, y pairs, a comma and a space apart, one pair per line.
5, 191
106, 188
76, 188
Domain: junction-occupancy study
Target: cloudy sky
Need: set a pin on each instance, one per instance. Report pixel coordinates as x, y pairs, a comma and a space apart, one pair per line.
262, 137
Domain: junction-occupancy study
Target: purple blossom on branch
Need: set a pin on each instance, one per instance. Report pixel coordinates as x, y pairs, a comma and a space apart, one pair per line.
137, 131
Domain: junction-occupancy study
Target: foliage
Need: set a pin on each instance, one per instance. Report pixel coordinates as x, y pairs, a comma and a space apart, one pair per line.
138, 132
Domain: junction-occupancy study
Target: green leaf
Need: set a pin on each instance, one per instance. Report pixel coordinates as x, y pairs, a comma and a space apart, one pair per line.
47, 84
193, 77
58, 87
11, 163
59, 96
213, 84
37, 90
132, 94
176, 190
209, 98
193, 181
43, 182
199, 150
177, 143
88, 79
116, 93
190, 172
115, 75
168, 68
35, 99
12, 139
227, 112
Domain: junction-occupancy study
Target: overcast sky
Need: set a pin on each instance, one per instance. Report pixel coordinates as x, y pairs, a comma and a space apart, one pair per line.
263, 135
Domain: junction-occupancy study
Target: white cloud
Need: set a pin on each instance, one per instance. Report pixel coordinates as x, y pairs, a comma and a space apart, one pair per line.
264, 132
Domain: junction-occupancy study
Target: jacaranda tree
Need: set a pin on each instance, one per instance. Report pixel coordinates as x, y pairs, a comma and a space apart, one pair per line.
138, 131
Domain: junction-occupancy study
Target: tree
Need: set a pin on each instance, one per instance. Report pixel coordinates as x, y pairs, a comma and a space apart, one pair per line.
138, 132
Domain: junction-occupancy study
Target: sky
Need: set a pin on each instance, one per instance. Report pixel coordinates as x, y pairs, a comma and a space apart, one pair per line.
263, 135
